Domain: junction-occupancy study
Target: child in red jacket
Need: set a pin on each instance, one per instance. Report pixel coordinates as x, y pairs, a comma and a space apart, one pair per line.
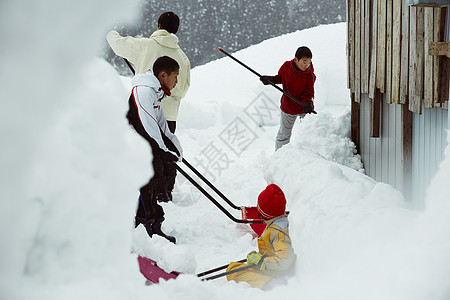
297, 77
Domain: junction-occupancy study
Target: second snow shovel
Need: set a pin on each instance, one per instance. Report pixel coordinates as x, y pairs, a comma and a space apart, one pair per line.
230, 272
259, 75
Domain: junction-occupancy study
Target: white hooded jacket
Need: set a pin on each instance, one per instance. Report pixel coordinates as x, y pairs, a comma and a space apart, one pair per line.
147, 94
143, 52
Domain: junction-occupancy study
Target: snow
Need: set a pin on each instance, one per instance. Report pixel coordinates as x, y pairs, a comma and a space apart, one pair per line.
71, 169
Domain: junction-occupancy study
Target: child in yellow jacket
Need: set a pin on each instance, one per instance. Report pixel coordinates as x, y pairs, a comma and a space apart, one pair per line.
275, 257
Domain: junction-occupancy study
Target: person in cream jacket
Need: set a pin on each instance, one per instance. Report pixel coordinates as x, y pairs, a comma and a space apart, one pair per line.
143, 52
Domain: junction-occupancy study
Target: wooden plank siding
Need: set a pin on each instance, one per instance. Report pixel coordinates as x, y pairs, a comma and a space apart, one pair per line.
373, 49
404, 65
412, 58
351, 44
388, 72
387, 49
358, 50
396, 50
429, 59
381, 46
443, 62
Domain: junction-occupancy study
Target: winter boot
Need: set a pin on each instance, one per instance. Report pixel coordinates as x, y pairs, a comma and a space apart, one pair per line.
138, 220
149, 227
156, 229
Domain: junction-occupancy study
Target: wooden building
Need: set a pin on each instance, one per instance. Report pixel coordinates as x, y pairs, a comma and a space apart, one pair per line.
398, 76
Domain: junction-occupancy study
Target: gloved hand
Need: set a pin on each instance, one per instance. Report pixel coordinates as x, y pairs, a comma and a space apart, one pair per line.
266, 79
168, 157
257, 259
309, 107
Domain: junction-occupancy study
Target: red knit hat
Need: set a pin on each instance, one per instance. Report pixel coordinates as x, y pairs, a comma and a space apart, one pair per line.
271, 202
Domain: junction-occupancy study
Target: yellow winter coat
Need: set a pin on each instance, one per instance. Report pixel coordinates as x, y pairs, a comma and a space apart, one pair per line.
143, 52
275, 243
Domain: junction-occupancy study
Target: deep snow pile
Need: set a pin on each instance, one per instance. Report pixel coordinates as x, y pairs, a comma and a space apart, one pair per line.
67, 229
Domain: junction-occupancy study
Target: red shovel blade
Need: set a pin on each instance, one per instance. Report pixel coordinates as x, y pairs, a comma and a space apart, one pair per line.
152, 272
251, 213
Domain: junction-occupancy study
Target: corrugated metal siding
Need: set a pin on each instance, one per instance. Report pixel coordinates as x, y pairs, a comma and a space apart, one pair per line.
388, 146
429, 142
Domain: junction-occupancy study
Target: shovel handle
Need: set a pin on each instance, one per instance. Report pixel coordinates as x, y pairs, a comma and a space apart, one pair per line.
259, 75
230, 272
217, 269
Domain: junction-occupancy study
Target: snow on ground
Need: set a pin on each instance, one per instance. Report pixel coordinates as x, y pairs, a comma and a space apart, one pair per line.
67, 212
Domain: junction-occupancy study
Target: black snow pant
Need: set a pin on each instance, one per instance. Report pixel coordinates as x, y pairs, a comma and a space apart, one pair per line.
163, 179
172, 126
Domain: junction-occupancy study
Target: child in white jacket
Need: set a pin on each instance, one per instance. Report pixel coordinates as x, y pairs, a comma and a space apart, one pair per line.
147, 118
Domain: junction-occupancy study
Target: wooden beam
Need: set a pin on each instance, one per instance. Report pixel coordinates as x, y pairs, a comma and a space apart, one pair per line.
407, 132
375, 115
381, 46
428, 3
396, 50
358, 51
366, 49
412, 57
442, 82
428, 85
355, 122
373, 50
444, 79
388, 74
415, 59
418, 96
439, 48
351, 44
405, 54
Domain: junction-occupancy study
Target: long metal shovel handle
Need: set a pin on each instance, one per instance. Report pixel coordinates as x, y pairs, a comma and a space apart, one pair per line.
230, 272
259, 75
214, 201
129, 66
208, 183
217, 269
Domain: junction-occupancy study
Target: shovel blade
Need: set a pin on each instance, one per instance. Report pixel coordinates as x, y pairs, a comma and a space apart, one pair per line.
251, 213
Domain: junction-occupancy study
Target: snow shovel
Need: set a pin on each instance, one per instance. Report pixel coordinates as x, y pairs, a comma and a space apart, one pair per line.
259, 75
249, 214
150, 269
152, 272
246, 211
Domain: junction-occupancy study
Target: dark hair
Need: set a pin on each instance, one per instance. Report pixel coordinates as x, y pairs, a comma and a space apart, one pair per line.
303, 52
165, 64
169, 21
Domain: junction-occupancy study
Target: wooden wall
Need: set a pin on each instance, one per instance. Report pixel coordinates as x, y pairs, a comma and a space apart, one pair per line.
387, 52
